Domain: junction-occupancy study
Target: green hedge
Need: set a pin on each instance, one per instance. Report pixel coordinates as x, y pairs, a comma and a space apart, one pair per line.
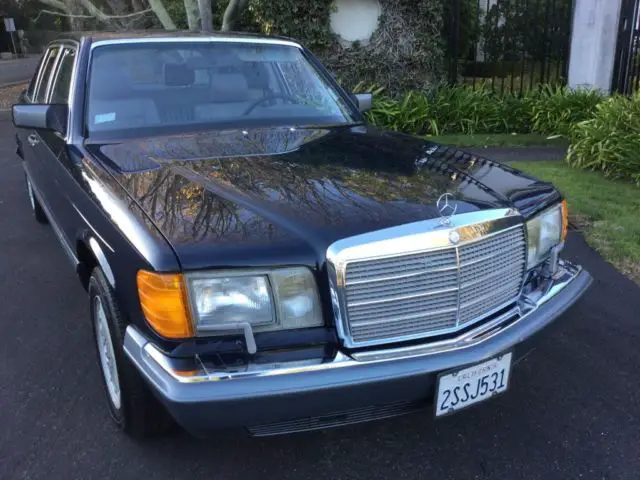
459, 109
610, 140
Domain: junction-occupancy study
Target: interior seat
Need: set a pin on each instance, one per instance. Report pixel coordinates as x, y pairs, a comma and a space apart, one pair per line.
228, 97
115, 104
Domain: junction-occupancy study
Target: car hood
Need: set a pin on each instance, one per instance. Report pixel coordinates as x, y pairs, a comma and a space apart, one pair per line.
283, 195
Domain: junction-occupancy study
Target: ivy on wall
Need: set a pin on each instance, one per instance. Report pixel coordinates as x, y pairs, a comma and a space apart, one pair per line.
405, 52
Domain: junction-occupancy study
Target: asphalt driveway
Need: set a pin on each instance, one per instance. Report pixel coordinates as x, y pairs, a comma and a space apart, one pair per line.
573, 410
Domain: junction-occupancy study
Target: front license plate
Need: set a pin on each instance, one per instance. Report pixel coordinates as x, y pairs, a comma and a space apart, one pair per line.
471, 385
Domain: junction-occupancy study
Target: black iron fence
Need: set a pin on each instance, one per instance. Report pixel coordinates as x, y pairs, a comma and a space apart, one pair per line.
626, 73
508, 45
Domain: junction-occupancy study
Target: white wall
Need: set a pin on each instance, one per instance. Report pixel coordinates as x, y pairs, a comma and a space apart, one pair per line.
593, 45
355, 20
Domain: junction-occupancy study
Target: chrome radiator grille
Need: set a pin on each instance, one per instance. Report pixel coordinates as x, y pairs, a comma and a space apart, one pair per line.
433, 292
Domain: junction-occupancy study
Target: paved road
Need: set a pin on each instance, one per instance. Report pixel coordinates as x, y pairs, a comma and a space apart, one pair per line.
573, 410
17, 70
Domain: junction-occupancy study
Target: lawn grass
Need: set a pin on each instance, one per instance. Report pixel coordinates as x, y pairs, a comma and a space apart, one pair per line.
607, 211
498, 140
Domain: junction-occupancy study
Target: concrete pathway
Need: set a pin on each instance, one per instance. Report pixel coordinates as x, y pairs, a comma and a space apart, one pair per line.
512, 154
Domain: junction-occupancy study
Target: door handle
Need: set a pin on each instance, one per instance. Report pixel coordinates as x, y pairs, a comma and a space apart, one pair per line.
33, 139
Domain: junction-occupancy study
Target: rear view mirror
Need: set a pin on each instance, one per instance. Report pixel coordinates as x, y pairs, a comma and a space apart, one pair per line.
365, 101
46, 117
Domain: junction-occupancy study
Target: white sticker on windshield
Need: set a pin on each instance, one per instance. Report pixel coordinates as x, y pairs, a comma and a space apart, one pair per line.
105, 117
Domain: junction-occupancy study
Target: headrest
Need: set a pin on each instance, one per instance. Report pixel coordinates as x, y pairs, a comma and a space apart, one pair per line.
256, 75
229, 87
178, 75
220, 59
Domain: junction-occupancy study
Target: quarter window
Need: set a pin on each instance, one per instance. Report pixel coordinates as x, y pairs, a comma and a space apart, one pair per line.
47, 69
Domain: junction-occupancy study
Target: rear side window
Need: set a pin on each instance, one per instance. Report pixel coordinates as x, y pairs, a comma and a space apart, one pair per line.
62, 82
31, 90
47, 69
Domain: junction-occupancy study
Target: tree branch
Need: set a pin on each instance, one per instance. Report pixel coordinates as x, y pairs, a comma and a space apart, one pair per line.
163, 16
95, 11
232, 13
56, 4
71, 15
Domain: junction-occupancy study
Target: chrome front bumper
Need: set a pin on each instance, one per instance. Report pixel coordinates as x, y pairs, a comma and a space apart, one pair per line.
205, 400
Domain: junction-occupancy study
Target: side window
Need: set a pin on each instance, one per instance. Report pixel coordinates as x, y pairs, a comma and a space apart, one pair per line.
31, 90
47, 69
62, 82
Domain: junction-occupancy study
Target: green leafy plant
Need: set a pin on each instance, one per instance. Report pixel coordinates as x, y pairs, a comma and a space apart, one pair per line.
610, 141
554, 110
467, 110
450, 109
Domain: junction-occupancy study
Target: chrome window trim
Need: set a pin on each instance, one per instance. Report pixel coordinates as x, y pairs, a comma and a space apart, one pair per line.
41, 78
413, 238
229, 39
55, 73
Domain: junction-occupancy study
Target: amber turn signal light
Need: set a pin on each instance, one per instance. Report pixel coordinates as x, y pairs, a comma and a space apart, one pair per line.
565, 220
163, 299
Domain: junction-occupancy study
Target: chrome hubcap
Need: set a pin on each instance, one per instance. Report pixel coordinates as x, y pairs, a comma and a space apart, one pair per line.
106, 353
31, 198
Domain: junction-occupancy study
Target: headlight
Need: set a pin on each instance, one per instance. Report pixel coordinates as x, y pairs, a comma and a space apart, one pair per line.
271, 300
544, 232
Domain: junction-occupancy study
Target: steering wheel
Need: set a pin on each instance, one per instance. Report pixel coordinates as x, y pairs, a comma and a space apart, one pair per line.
273, 96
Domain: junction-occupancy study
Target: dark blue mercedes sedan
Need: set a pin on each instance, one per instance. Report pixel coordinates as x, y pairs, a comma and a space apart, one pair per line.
255, 255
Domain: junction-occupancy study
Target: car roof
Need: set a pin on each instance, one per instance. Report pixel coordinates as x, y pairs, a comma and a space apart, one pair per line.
168, 34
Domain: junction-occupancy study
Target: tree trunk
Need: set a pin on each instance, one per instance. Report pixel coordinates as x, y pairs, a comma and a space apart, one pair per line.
75, 24
163, 16
206, 15
232, 13
136, 5
193, 15
96, 12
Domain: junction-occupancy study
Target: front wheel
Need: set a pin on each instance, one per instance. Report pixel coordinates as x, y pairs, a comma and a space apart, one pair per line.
36, 208
131, 405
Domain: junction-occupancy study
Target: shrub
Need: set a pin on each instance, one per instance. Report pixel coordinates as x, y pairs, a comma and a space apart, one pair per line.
450, 110
554, 110
462, 109
610, 141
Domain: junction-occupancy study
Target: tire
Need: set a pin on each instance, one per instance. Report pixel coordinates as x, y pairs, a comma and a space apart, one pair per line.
36, 208
131, 404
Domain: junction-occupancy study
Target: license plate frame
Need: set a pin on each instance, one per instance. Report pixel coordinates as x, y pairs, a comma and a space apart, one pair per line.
462, 370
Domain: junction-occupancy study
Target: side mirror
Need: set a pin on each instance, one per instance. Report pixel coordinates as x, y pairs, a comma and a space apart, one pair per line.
365, 101
46, 117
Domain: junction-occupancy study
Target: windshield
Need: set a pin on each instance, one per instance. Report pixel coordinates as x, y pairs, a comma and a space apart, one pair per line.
176, 86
